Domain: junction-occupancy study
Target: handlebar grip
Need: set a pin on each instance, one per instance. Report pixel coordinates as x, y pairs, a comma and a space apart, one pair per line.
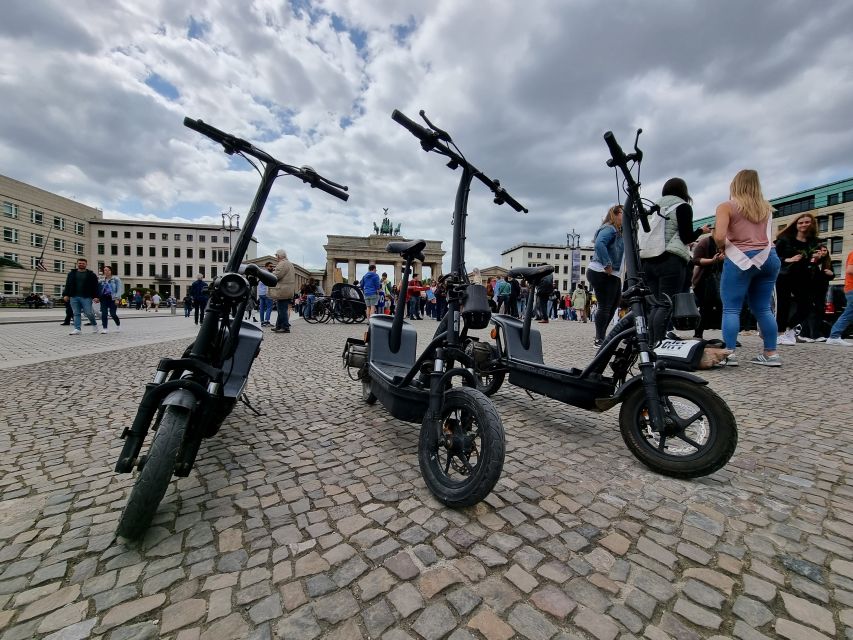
322, 186
205, 129
263, 275
413, 127
616, 152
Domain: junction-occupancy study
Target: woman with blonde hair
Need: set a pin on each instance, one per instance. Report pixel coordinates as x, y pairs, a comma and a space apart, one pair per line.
602, 273
796, 245
743, 232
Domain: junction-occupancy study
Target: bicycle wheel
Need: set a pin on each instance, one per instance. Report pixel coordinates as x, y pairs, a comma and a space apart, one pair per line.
322, 311
314, 318
153, 479
461, 454
700, 435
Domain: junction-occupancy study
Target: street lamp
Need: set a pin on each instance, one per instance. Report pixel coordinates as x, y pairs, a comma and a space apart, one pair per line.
231, 217
573, 242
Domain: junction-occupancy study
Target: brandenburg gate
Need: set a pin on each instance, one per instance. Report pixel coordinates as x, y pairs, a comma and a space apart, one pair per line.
371, 250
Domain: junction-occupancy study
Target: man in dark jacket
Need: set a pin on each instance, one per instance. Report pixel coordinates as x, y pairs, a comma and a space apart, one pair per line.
198, 291
81, 289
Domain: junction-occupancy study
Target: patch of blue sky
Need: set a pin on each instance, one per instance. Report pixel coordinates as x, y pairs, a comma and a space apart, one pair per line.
282, 121
358, 36
196, 29
163, 87
403, 31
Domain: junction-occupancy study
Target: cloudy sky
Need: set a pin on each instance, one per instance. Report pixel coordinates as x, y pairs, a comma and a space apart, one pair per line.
94, 94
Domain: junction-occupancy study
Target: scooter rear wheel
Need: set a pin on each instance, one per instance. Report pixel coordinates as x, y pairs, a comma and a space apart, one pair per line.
367, 392
461, 453
487, 382
701, 433
153, 479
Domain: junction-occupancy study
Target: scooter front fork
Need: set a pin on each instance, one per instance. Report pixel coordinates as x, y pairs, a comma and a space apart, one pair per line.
436, 385
648, 372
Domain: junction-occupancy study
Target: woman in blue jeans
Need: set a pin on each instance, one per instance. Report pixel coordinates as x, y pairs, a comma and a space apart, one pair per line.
743, 231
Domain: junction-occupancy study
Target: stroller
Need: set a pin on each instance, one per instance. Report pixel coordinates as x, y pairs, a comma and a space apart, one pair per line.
346, 304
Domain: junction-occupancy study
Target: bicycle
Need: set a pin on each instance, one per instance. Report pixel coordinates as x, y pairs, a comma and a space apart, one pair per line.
191, 396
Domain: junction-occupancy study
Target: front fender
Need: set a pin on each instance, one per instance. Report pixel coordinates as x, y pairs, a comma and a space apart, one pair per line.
181, 398
619, 395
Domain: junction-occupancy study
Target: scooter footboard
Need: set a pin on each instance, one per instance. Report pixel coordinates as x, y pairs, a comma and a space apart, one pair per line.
404, 403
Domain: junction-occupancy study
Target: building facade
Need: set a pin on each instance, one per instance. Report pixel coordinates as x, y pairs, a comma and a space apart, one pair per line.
163, 256
569, 264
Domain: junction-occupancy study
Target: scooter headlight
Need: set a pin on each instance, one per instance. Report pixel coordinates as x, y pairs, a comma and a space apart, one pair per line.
233, 286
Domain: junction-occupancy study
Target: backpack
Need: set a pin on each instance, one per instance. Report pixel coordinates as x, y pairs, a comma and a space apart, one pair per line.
653, 243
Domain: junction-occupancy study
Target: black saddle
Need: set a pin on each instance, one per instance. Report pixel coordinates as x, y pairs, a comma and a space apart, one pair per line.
532, 274
410, 249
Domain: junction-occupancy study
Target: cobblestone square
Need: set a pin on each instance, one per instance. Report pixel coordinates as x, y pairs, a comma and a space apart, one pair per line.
312, 520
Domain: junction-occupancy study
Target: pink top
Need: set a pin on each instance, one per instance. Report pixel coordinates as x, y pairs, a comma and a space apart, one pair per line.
746, 235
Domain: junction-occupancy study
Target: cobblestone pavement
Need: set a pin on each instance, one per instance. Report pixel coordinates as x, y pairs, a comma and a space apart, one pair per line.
313, 521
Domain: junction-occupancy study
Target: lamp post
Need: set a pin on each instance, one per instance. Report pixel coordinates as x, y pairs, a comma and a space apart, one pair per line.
231, 217
573, 242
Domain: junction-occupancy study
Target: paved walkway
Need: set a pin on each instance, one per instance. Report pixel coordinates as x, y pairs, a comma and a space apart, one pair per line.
313, 520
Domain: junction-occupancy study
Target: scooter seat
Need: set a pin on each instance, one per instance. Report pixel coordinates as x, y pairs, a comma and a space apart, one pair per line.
531, 274
410, 250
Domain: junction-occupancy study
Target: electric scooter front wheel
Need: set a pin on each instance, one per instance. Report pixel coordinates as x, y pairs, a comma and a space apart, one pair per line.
155, 475
700, 434
461, 452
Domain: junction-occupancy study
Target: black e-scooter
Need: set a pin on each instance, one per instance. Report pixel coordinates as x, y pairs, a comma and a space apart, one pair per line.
670, 420
191, 396
461, 445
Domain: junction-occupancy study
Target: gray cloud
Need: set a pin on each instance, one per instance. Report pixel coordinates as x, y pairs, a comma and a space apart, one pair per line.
526, 90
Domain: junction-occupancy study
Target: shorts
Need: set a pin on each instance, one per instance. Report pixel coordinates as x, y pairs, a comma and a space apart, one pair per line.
371, 301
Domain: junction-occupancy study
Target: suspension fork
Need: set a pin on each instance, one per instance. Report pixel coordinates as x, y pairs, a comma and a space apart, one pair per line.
648, 369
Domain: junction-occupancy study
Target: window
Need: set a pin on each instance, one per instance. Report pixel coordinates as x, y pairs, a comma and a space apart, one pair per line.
11, 256
100, 233
164, 270
836, 267
59, 266
823, 224
547, 256
201, 270
164, 251
127, 268
214, 239
139, 251
151, 270
164, 236
847, 196
176, 251
78, 248
10, 210
113, 234
177, 237
10, 288
837, 221
79, 227
139, 235
565, 269
152, 252
583, 270
539, 255
189, 237
177, 271
831, 199
10, 235
152, 236
794, 206
38, 288
58, 244
36, 240
835, 245
201, 253
565, 256
57, 290
583, 258
36, 217
100, 266
101, 250
189, 253
33, 262
213, 271
127, 249
178, 292
201, 239
138, 270
565, 285
59, 223
127, 235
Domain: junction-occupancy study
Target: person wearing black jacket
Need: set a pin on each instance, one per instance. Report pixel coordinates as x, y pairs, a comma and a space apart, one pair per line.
81, 289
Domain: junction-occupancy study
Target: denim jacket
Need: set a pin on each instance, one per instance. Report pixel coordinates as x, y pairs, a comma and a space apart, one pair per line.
609, 247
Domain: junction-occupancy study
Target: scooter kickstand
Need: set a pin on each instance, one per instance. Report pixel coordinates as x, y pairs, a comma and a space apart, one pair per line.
245, 400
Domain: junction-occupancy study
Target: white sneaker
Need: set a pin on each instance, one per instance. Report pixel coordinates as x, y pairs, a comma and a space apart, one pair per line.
840, 342
74, 332
821, 339
788, 338
804, 339
95, 329
117, 329
105, 330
